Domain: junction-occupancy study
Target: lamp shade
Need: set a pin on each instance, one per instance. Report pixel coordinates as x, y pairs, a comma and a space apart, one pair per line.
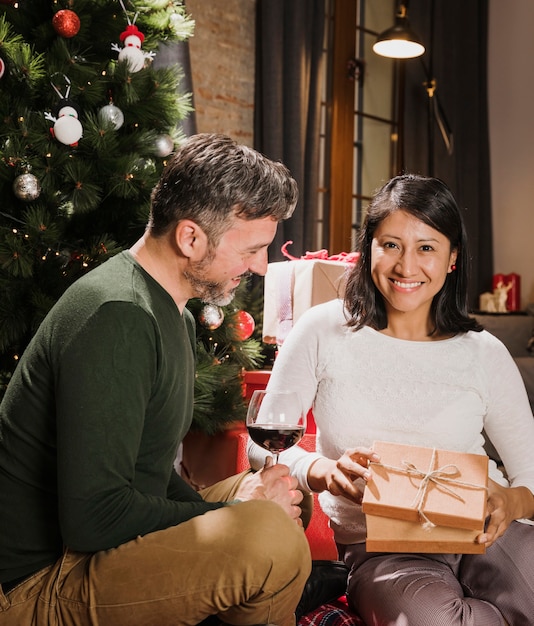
399, 42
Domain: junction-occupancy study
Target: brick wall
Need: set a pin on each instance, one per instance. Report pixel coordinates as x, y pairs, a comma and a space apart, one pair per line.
222, 65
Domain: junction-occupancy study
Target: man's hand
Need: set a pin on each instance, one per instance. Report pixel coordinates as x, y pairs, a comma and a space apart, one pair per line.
505, 504
338, 476
273, 482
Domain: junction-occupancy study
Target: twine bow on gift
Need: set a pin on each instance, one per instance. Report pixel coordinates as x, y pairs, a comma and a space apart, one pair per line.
440, 477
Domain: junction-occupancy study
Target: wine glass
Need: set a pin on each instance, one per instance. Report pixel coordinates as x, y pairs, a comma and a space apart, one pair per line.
276, 420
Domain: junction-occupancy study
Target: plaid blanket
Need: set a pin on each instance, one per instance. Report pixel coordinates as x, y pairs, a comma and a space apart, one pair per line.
334, 613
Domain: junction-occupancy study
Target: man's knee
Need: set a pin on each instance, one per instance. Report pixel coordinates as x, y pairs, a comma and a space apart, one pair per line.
266, 531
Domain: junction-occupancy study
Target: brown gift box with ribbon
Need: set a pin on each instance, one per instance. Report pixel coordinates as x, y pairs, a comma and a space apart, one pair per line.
292, 287
425, 500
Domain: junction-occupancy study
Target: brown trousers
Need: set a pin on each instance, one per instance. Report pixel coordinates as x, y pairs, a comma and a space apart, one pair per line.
247, 563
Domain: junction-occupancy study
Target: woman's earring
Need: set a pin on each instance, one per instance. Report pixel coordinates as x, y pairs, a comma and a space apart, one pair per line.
453, 267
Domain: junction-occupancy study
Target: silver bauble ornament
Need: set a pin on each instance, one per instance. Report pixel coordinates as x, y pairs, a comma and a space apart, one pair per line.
27, 187
164, 145
211, 316
111, 113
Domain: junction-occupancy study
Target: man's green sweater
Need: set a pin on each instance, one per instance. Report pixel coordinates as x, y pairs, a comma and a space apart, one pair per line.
91, 422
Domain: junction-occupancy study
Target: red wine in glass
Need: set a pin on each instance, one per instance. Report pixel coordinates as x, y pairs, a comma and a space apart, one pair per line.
276, 420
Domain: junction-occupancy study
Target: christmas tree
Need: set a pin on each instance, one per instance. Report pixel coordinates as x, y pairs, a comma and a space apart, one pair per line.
87, 122
228, 342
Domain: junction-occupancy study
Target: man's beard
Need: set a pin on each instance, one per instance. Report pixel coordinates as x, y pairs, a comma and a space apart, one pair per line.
208, 291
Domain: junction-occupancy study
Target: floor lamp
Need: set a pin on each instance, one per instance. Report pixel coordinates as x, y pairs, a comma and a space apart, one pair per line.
400, 42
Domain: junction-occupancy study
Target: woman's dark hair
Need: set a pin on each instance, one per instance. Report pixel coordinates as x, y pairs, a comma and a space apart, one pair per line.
431, 201
211, 179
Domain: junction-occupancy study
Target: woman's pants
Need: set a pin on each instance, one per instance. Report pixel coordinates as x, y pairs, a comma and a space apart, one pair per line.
491, 589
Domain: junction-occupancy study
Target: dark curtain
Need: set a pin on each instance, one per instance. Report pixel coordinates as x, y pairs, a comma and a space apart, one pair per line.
289, 40
455, 34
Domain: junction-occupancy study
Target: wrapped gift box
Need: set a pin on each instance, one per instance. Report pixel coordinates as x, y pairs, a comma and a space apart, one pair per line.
390, 535
428, 487
292, 287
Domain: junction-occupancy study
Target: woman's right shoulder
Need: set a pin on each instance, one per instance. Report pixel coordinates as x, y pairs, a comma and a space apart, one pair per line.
330, 313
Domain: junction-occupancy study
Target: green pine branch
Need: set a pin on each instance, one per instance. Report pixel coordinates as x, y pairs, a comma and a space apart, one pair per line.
94, 195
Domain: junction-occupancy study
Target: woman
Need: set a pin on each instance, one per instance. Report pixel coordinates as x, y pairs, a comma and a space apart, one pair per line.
400, 360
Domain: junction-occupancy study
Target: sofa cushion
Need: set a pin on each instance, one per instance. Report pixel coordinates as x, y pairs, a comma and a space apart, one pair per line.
513, 330
525, 364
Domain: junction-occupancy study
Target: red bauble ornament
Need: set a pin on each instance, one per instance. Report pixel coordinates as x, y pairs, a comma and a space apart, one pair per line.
66, 23
244, 325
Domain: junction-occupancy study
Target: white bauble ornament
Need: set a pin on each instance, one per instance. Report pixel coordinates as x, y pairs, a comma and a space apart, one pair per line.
111, 113
27, 187
68, 128
164, 145
211, 316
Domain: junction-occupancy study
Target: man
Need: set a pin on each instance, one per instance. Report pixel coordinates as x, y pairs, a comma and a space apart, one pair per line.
95, 526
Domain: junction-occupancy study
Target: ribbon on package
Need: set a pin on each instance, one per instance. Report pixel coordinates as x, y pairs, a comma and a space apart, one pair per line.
442, 477
345, 257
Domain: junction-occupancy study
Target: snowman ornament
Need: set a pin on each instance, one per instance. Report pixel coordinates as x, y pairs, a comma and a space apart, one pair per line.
132, 39
67, 127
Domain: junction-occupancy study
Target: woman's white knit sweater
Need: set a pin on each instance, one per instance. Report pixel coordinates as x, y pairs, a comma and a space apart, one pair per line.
366, 386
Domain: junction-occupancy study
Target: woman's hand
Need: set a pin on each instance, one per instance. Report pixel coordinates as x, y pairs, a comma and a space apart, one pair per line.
273, 482
338, 477
505, 504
